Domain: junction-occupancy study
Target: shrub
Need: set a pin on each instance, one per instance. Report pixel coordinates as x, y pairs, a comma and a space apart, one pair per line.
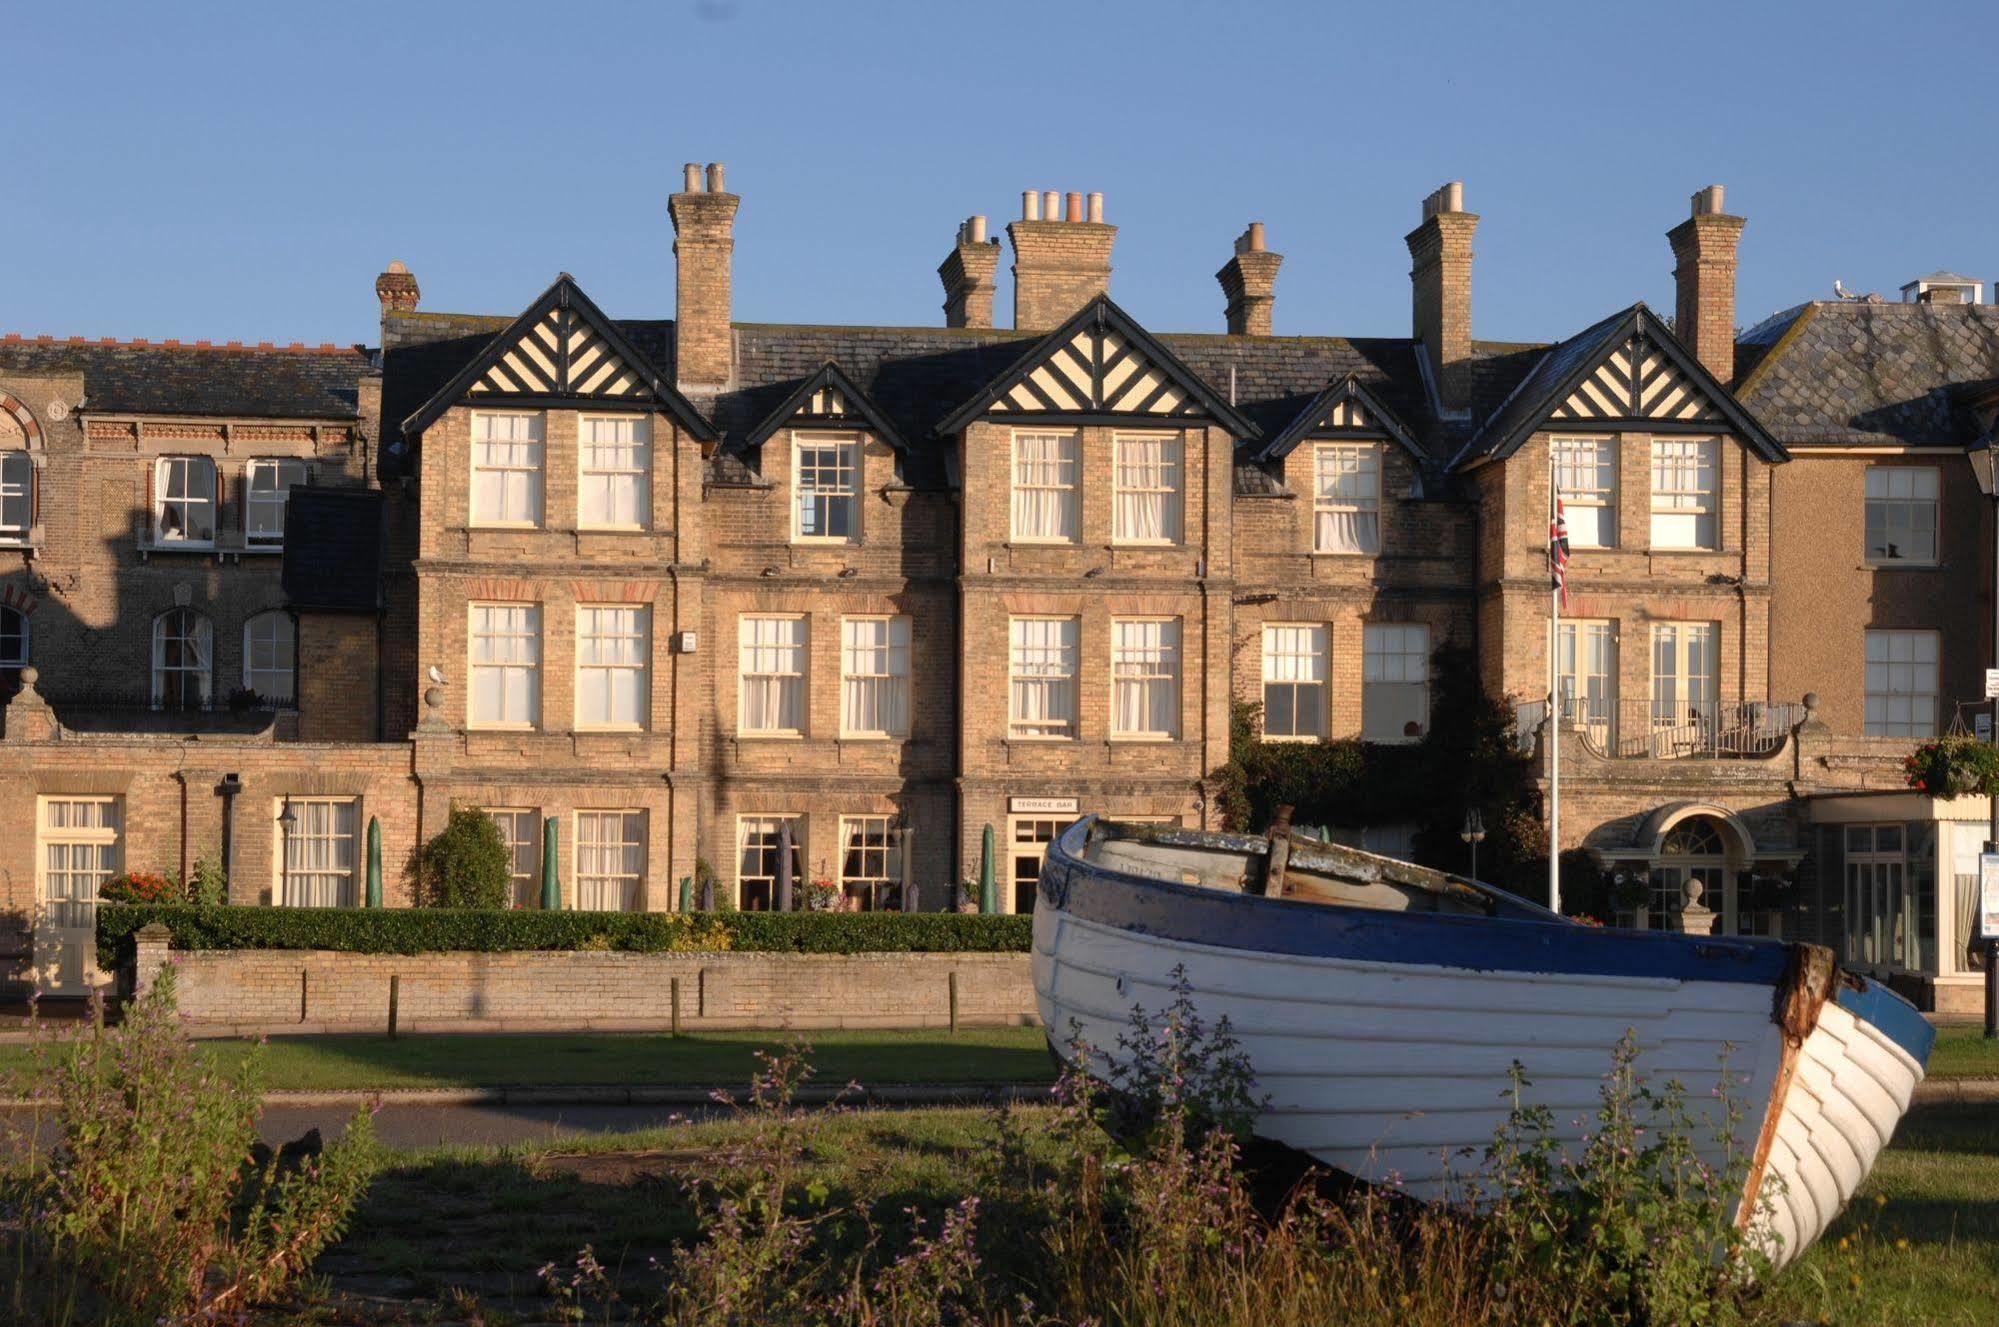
466, 865
148, 1210
206, 885
438, 930
141, 887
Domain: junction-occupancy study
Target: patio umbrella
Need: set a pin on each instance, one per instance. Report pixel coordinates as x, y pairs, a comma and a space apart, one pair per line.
988, 886
374, 862
551, 884
912, 900
783, 903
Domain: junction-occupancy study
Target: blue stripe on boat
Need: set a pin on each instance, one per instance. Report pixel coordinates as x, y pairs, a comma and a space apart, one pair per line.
1891, 1015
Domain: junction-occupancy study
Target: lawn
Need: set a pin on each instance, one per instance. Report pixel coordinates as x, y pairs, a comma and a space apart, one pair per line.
1963, 1052
975, 1055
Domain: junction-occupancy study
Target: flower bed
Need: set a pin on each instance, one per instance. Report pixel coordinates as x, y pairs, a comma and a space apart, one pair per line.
444, 930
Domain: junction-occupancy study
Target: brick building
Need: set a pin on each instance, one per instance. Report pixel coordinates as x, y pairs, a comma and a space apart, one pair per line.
678, 590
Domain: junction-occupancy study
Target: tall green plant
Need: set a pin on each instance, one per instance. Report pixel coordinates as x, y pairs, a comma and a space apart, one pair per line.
466, 865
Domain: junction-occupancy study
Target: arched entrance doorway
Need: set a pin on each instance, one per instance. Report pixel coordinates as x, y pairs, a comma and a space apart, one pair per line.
1697, 861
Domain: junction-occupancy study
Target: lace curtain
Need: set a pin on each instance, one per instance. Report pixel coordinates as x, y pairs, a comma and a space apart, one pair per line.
1145, 677
1044, 486
319, 855
773, 673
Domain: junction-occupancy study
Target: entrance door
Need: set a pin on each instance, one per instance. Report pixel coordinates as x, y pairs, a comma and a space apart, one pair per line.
1029, 842
79, 852
1693, 870
1877, 904
1683, 684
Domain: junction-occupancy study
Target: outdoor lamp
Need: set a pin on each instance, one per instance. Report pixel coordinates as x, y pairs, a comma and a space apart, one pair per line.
1474, 834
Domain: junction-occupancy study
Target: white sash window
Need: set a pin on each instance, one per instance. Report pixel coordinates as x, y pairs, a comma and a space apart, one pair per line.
1589, 675
756, 862
184, 500
1043, 684
17, 495
1901, 682
269, 488
1684, 673
610, 860
1586, 477
79, 853
521, 832
870, 863
319, 853
611, 672
13, 637
1346, 498
615, 456
1395, 682
1145, 677
183, 660
1147, 500
506, 469
1684, 509
773, 674
1294, 681
506, 665
828, 472
270, 654
874, 676
1047, 506
1902, 514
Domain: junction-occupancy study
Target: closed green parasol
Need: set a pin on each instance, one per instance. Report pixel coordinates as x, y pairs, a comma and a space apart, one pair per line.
551, 884
374, 862
988, 886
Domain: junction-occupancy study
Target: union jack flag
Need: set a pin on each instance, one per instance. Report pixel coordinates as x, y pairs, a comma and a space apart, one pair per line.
1558, 551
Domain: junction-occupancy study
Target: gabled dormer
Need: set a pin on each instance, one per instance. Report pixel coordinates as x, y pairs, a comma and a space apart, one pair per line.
837, 444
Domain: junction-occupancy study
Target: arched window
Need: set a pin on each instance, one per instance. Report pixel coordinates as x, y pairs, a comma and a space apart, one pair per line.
183, 658
270, 654
13, 637
17, 495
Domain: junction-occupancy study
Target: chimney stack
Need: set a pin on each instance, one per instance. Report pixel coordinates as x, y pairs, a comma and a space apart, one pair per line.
704, 220
1440, 286
1704, 280
1249, 283
396, 288
968, 273
1061, 257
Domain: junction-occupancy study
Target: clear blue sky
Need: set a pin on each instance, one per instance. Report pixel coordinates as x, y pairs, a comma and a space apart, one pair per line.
244, 171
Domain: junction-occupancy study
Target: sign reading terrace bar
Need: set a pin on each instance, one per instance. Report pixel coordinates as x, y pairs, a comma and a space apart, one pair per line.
1042, 806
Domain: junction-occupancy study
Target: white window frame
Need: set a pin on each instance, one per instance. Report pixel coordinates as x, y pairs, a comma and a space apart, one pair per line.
1900, 683
519, 478
265, 507
599, 669
598, 870
298, 886
1046, 665
1386, 661
1145, 677
1347, 483
515, 665
1057, 472
837, 486
1678, 494
186, 506
871, 841
523, 851
1693, 651
618, 469
85, 858
1298, 657
198, 634
765, 827
1586, 477
1140, 482
874, 658
280, 645
1587, 667
17, 645
1902, 505
766, 662
17, 493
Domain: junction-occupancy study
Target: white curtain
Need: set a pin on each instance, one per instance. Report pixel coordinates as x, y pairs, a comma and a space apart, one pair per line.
616, 455
183, 646
611, 666
506, 473
610, 861
319, 855
506, 662
773, 674
1294, 680
1044, 486
1347, 499
1148, 490
1044, 676
1145, 668
874, 662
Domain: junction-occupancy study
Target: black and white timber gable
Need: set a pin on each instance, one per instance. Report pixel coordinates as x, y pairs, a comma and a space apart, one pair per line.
1100, 366
562, 352
829, 399
1345, 408
1627, 372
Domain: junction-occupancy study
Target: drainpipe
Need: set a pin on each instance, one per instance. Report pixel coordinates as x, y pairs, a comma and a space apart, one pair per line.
232, 783
180, 777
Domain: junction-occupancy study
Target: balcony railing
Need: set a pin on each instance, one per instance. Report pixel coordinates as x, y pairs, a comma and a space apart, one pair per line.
1672, 730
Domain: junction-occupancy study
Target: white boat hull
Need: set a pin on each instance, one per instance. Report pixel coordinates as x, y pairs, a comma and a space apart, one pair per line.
1398, 1072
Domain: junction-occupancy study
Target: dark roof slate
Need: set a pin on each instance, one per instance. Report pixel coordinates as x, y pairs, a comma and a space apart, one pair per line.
333, 557
1857, 374
131, 379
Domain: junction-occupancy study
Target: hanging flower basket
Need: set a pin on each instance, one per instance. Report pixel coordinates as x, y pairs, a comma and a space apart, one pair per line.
822, 895
1958, 765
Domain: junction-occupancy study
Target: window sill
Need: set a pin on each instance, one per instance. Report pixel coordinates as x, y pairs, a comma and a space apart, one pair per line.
877, 738
1146, 543
1303, 739
501, 728
613, 529
813, 541
498, 527
1042, 543
759, 736
1900, 564
1040, 739
1346, 552
1141, 739
610, 729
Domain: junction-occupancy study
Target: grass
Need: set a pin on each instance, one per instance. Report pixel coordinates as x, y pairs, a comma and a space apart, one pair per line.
1963, 1052
974, 1055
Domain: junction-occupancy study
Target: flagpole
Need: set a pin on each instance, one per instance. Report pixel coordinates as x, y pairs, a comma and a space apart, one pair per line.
1554, 702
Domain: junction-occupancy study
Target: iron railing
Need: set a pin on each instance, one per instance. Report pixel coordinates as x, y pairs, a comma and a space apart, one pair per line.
1671, 730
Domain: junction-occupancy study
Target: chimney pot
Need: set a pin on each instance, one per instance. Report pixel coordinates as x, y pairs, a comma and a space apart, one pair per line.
1030, 206
1051, 206
1256, 240
397, 290
1454, 196
1074, 211
1709, 201
715, 178
1097, 209
690, 178
978, 231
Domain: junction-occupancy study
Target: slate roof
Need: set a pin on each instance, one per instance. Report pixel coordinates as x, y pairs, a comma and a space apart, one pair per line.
147, 379
334, 541
1857, 373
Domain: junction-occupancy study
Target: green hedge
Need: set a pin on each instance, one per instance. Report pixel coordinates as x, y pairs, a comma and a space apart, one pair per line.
440, 930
